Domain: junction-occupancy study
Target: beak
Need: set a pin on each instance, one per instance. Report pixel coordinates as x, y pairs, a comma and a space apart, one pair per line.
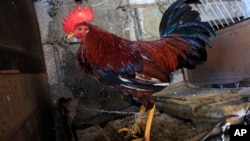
70, 36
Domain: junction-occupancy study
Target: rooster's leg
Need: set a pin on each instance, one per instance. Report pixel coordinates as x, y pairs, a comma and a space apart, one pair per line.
137, 128
149, 124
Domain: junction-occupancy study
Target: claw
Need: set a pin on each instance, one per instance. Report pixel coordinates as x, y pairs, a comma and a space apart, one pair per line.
137, 128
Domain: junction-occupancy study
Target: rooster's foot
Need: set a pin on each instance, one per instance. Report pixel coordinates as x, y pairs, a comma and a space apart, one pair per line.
137, 130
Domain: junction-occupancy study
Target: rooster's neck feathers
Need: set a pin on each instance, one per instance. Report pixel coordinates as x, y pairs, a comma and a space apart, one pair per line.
107, 50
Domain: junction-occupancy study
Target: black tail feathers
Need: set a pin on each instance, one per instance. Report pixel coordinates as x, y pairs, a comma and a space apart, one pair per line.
180, 19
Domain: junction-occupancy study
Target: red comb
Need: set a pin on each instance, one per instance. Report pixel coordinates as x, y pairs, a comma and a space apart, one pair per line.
79, 15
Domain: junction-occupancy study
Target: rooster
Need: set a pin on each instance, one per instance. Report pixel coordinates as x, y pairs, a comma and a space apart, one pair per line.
140, 68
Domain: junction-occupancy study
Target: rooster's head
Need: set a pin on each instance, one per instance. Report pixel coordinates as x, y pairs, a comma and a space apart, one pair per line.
73, 23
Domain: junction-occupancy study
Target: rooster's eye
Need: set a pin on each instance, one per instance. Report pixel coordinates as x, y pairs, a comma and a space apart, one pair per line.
79, 28
83, 29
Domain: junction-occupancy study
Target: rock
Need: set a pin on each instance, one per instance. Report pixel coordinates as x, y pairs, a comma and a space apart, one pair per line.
201, 104
50, 64
141, 2
41, 8
94, 133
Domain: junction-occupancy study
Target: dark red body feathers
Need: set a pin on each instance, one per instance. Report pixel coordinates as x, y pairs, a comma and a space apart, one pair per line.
152, 59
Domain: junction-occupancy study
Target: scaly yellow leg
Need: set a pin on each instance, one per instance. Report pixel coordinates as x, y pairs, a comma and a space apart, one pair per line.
149, 124
137, 129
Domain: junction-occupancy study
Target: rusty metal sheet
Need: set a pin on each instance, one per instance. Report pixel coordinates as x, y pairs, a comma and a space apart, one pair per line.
20, 43
25, 104
228, 59
25, 107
